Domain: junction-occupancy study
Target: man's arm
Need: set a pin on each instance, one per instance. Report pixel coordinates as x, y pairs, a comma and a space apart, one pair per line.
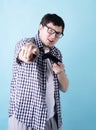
62, 77
63, 80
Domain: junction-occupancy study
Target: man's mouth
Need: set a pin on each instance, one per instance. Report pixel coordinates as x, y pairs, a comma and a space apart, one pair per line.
50, 41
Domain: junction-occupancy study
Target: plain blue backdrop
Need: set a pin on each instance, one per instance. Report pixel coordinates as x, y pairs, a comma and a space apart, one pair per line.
20, 19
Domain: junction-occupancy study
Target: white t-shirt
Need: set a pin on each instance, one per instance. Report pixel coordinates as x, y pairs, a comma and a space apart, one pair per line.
50, 100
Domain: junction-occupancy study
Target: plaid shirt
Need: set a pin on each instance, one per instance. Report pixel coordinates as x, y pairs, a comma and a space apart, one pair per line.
28, 88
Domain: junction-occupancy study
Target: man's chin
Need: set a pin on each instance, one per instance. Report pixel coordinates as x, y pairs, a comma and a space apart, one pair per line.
47, 45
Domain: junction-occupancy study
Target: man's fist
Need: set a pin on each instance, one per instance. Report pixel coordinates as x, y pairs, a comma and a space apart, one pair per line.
28, 52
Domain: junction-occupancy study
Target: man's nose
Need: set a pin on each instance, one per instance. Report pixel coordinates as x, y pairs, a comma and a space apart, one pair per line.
53, 35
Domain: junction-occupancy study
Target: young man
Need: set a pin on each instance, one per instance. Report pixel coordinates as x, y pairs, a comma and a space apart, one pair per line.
38, 75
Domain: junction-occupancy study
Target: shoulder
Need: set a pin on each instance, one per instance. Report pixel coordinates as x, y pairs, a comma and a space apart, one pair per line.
27, 40
56, 51
23, 41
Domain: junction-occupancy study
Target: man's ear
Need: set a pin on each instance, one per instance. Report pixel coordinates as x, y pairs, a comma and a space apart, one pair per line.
40, 27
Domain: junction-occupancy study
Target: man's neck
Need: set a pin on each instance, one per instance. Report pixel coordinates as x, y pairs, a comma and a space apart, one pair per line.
46, 48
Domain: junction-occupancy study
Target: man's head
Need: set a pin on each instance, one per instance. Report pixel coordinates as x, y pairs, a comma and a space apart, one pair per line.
53, 18
51, 29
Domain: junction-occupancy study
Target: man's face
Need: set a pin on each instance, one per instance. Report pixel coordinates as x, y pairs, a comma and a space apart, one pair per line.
49, 34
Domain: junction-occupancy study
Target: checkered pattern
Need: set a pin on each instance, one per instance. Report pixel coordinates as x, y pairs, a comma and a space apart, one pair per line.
28, 88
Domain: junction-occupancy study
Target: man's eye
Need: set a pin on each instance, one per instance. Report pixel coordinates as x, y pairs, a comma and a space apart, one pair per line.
52, 31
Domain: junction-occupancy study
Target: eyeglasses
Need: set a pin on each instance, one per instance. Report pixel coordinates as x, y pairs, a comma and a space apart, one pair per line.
52, 31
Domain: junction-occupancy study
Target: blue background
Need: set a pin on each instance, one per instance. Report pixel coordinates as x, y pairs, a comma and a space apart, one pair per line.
20, 19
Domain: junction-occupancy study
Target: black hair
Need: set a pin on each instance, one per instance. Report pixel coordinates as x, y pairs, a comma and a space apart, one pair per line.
54, 18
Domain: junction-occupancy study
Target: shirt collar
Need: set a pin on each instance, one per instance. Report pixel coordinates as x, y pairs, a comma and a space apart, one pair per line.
38, 41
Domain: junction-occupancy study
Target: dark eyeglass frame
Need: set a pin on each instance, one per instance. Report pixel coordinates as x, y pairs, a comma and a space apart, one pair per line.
52, 31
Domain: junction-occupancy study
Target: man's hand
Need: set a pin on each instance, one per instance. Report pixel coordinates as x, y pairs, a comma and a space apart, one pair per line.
58, 68
28, 52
